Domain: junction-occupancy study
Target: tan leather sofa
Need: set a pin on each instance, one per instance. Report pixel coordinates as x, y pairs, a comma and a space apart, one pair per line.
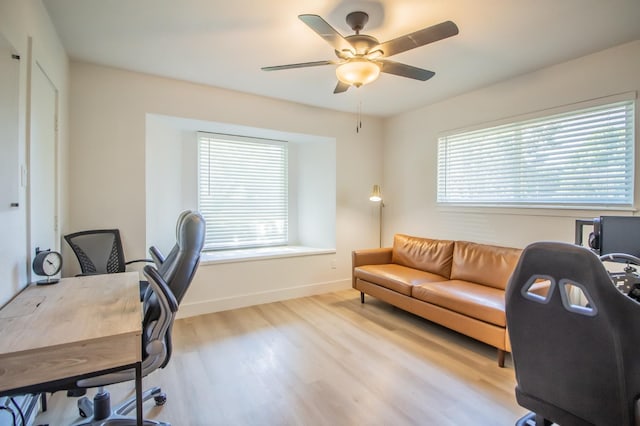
458, 284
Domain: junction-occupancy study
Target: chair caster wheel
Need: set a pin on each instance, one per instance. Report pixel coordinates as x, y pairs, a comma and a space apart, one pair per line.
85, 407
160, 399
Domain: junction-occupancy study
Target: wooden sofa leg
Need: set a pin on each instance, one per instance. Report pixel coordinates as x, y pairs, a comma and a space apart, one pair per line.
361, 297
501, 354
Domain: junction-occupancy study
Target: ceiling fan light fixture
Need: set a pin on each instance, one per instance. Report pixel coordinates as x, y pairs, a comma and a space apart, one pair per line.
372, 56
357, 72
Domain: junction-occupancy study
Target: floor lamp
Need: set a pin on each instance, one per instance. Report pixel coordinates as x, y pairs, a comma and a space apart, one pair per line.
376, 196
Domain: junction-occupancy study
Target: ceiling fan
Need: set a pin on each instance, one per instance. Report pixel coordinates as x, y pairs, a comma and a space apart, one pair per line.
361, 57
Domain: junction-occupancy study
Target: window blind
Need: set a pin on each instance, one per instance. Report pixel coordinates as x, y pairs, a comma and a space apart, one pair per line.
584, 158
243, 191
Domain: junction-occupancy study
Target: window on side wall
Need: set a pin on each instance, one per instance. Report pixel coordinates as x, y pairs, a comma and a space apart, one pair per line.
243, 191
582, 158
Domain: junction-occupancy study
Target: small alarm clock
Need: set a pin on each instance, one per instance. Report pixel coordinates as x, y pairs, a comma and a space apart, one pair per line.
47, 263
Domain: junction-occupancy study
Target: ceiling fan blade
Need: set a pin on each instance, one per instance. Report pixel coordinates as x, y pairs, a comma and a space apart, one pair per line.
301, 65
341, 87
419, 38
327, 32
404, 70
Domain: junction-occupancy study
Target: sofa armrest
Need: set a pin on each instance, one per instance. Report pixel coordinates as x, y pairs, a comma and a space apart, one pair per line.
376, 256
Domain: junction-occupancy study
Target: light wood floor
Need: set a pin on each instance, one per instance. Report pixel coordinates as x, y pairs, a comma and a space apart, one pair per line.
322, 360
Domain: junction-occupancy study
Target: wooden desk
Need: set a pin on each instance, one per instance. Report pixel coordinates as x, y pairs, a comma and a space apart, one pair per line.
79, 326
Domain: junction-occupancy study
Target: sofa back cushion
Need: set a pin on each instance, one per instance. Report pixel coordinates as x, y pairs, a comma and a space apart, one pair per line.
428, 255
484, 264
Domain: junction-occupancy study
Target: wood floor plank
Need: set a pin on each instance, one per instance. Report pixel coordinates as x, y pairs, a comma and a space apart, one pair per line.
322, 360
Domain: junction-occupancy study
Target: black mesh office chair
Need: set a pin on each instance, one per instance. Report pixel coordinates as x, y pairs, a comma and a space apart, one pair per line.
577, 360
100, 251
160, 306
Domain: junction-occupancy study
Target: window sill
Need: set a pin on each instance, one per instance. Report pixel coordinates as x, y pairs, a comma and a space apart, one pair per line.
248, 255
535, 210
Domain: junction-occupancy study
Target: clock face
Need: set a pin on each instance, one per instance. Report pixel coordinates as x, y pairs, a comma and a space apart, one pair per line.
51, 264
47, 263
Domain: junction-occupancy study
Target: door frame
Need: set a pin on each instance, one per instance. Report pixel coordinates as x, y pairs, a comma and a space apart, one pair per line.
33, 63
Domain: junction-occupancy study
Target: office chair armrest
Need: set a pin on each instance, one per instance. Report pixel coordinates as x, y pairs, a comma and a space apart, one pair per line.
159, 285
158, 258
139, 260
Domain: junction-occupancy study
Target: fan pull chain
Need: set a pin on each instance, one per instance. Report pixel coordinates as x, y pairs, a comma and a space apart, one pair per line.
359, 118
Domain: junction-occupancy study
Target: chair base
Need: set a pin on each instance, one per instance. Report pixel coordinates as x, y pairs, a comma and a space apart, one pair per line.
125, 421
99, 411
532, 419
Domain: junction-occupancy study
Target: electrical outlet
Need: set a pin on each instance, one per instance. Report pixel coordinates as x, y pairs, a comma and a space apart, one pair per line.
333, 264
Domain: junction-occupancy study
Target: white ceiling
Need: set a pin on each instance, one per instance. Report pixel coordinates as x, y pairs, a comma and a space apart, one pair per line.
224, 43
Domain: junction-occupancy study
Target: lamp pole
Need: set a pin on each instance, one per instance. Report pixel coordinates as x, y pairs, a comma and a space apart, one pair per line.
380, 220
376, 196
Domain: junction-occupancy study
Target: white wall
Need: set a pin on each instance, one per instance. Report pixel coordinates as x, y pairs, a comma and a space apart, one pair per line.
315, 194
165, 167
410, 150
107, 176
20, 22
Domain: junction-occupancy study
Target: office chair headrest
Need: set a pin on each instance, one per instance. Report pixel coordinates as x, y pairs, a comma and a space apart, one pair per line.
190, 243
164, 264
181, 218
191, 233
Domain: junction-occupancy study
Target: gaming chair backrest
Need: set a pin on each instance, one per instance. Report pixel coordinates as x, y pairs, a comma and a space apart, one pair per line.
573, 363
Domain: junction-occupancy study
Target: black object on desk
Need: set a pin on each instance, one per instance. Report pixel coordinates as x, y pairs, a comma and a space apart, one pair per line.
47, 263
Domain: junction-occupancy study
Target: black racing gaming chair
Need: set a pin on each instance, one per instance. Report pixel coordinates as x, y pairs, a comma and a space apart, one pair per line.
160, 306
576, 362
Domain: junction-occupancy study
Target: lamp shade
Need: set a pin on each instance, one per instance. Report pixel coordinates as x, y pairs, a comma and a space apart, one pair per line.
357, 72
376, 195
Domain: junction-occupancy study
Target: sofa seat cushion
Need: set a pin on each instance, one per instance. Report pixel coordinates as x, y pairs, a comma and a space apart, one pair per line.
395, 277
473, 300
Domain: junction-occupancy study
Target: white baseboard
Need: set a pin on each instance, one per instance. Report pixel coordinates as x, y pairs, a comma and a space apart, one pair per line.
225, 304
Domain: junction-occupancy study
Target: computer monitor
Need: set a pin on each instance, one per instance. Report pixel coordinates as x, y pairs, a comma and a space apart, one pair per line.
619, 234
